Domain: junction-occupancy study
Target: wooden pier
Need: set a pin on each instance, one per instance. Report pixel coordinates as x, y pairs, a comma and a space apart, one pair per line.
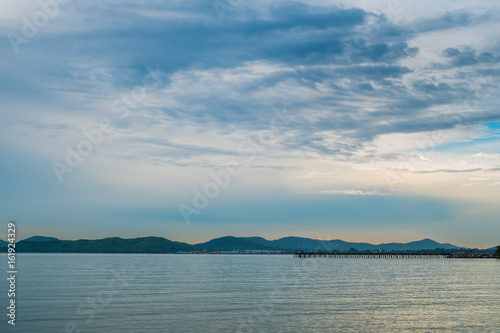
369, 255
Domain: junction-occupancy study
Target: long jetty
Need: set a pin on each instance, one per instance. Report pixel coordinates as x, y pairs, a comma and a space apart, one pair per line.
370, 255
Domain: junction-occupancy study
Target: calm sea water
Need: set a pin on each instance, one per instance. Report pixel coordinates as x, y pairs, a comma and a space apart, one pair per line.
251, 293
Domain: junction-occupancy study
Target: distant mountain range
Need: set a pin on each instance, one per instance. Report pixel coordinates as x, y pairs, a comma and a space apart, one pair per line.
227, 243
293, 243
340, 245
106, 245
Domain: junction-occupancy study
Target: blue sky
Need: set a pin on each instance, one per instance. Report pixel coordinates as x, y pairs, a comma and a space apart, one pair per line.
367, 121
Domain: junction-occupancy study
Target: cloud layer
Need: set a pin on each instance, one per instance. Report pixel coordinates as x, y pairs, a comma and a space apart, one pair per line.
341, 100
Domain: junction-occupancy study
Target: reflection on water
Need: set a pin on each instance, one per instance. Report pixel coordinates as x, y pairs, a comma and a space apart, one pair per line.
252, 293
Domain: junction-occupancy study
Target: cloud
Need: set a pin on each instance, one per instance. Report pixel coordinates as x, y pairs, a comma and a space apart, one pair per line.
450, 170
466, 56
453, 20
343, 72
362, 90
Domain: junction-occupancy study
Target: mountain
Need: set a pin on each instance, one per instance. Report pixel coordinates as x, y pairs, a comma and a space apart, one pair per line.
106, 245
292, 243
491, 249
424, 244
233, 243
162, 245
31, 239
39, 239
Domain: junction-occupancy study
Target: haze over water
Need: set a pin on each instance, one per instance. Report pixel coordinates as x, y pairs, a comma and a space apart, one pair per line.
253, 293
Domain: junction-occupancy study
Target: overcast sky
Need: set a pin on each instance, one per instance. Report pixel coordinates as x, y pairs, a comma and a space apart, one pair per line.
370, 121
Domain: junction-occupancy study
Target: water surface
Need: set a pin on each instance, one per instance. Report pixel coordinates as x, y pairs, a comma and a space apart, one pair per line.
252, 293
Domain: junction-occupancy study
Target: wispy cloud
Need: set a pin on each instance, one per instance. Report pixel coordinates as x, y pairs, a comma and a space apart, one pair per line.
368, 91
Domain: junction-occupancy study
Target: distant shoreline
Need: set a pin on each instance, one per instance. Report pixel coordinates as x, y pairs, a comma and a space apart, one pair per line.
238, 245
352, 256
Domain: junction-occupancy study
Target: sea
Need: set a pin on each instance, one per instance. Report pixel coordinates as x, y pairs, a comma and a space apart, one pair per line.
145, 293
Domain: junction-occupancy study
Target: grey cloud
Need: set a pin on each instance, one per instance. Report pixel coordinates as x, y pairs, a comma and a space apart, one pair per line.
343, 69
452, 20
375, 72
466, 56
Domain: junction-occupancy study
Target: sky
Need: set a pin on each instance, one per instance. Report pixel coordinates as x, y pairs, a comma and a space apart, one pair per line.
374, 121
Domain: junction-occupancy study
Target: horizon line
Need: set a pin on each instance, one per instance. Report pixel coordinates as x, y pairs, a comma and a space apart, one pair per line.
246, 237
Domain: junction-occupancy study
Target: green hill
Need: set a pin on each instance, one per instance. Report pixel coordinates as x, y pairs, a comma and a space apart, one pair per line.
44, 244
40, 239
233, 243
292, 243
106, 245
